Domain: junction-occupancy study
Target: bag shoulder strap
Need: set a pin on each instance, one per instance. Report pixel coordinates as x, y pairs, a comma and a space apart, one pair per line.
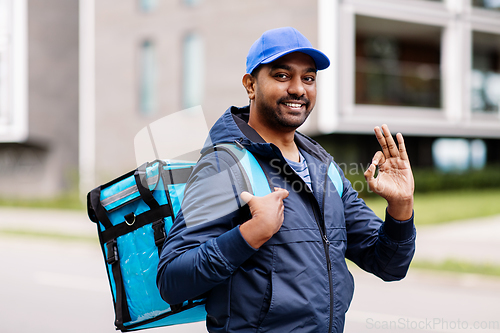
256, 176
256, 179
334, 175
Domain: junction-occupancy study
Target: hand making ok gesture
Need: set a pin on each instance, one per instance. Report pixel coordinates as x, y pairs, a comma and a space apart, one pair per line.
394, 181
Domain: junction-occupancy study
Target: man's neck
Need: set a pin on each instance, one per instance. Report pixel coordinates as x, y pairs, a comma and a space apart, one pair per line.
284, 140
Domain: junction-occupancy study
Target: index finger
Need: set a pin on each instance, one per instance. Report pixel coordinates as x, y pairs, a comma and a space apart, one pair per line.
283, 192
381, 140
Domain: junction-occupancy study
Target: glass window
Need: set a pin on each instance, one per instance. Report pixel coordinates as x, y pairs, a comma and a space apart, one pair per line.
148, 76
147, 5
193, 71
452, 155
397, 63
3, 87
4, 37
13, 71
485, 72
488, 4
192, 2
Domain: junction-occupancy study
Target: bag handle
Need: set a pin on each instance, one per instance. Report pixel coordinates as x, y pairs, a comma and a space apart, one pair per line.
142, 184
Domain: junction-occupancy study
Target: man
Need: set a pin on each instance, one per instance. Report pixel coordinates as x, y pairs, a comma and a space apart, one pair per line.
278, 263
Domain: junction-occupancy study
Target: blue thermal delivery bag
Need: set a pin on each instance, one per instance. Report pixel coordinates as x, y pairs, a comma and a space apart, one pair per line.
134, 214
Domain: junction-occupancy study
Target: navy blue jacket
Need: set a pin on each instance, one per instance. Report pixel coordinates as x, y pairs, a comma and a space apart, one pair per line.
298, 280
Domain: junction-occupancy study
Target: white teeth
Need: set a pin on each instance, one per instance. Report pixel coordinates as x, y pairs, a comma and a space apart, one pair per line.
293, 105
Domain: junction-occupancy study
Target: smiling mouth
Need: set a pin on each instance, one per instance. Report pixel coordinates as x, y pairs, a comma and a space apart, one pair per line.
294, 105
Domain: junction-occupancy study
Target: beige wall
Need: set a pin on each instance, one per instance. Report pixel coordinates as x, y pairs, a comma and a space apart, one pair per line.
228, 29
47, 163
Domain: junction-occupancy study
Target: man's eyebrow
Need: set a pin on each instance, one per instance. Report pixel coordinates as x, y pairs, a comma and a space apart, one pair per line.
281, 66
289, 68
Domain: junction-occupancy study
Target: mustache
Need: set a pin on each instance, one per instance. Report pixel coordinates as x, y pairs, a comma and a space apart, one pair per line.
294, 98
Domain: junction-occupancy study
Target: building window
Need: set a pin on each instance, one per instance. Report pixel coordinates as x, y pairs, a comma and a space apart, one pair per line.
430, 66
147, 5
13, 67
488, 4
4, 62
485, 72
148, 77
458, 155
193, 72
191, 2
397, 63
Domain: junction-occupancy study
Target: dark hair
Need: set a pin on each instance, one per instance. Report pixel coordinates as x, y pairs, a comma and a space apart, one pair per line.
256, 71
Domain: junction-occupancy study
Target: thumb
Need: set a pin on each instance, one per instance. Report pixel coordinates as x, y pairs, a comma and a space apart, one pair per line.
246, 197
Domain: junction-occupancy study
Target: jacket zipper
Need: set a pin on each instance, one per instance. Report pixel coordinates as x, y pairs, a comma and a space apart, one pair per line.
326, 243
326, 247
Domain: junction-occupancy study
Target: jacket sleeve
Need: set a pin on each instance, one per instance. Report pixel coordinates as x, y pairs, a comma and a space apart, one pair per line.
205, 246
382, 248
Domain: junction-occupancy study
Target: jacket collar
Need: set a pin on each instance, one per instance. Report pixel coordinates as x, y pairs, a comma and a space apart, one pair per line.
233, 126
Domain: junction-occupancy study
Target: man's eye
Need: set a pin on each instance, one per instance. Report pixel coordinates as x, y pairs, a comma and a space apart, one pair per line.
309, 79
281, 76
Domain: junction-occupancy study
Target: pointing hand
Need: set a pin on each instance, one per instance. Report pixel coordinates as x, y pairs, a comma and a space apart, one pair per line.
267, 216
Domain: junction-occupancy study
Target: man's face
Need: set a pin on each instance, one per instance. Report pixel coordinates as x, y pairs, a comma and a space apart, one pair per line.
285, 91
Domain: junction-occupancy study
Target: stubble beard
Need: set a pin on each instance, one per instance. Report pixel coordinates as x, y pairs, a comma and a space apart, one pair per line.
275, 118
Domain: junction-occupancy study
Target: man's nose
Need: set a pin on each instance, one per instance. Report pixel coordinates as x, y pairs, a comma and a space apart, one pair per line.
296, 87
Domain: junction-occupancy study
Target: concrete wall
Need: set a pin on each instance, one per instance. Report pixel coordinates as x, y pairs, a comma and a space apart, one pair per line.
228, 29
46, 164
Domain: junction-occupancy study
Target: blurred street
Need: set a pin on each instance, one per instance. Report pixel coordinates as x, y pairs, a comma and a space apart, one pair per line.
476, 240
55, 285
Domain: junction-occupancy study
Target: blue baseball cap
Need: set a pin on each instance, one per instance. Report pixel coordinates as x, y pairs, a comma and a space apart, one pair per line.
276, 43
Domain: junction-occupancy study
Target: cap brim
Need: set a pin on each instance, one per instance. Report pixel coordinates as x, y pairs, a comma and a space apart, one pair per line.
320, 59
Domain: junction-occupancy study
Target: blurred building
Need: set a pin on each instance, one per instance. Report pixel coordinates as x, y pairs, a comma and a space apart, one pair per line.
38, 97
79, 79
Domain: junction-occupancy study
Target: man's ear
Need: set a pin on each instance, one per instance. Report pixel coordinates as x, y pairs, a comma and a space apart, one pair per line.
249, 84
